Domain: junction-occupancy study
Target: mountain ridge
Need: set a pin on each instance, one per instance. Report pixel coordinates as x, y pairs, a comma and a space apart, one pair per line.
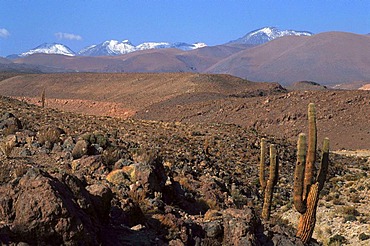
114, 47
266, 34
106, 48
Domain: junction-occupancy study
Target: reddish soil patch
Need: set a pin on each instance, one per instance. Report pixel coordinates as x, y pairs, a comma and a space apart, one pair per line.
87, 107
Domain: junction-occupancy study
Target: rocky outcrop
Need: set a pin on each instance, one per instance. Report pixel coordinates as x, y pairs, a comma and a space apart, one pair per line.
39, 208
9, 121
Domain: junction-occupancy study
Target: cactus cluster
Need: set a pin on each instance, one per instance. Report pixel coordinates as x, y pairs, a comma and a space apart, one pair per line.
306, 188
268, 186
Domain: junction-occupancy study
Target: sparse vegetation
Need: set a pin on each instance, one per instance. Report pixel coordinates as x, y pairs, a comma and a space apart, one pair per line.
306, 190
268, 187
202, 167
6, 148
43, 98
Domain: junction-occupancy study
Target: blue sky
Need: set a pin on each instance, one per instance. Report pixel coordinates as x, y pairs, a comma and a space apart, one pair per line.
28, 23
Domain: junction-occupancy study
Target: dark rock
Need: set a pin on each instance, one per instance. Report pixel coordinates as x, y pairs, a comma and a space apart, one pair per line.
101, 197
25, 152
151, 175
121, 163
240, 227
68, 144
96, 149
126, 212
80, 149
89, 166
214, 229
8, 120
41, 208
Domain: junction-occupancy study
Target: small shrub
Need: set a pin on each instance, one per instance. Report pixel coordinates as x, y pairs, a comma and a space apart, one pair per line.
338, 201
364, 220
10, 130
355, 198
138, 196
361, 188
49, 134
363, 237
337, 240
349, 210
352, 190
6, 148
349, 217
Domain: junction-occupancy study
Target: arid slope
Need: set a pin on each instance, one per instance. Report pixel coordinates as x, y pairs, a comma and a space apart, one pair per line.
185, 97
328, 58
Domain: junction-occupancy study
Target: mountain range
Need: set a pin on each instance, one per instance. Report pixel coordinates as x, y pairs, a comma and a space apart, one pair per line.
328, 58
107, 48
114, 47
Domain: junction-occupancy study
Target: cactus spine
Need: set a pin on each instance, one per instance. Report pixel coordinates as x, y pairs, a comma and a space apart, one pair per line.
268, 187
306, 189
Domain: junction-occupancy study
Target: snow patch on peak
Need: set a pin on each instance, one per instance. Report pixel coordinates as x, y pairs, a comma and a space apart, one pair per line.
114, 47
199, 45
153, 45
267, 34
47, 48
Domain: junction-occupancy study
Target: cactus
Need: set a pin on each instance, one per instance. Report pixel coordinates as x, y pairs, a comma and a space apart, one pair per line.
262, 164
268, 187
43, 98
306, 189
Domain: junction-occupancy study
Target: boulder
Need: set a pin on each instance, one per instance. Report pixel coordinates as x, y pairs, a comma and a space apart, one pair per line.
10, 122
101, 198
80, 149
39, 208
241, 227
150, 175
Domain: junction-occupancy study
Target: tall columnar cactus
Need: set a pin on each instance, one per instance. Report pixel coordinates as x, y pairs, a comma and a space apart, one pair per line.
43, 98
268, 187
306, 188
262, 164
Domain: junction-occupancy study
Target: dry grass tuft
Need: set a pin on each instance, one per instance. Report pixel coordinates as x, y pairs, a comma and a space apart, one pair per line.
6, 148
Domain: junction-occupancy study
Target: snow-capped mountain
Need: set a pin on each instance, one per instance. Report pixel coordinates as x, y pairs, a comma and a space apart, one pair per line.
114, 47
108, 48
47, 48
267, 34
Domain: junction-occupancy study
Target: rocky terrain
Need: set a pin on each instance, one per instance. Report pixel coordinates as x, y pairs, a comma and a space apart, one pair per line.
199, 98
76, 179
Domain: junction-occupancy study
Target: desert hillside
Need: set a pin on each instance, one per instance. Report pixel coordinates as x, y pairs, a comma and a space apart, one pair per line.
187, 97
102, 180
329, 58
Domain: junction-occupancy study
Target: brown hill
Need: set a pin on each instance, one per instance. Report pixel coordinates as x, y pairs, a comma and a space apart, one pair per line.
343, 117
188, 97
155, 60
327, 58
4, 61
132, 91
307, 86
